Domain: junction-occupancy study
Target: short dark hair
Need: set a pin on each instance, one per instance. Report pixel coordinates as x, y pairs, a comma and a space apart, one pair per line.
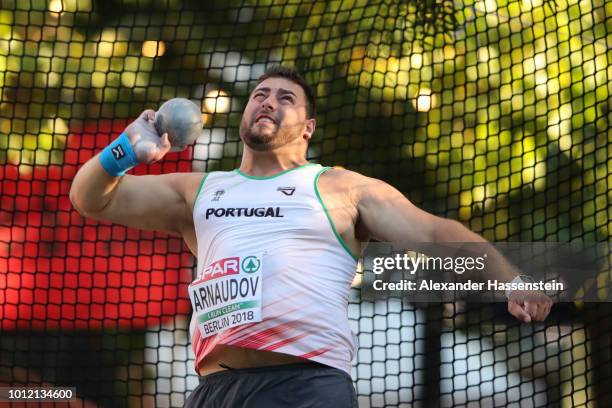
290, 73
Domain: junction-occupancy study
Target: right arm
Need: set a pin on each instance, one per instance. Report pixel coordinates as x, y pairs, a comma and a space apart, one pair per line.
160, 202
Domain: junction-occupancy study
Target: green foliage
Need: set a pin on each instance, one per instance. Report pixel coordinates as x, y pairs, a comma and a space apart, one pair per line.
494, 113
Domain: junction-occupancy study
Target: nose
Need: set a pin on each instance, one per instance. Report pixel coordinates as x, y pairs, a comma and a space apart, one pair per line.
268, 104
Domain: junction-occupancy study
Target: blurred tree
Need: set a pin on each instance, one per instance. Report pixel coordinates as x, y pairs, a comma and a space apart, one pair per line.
488, 111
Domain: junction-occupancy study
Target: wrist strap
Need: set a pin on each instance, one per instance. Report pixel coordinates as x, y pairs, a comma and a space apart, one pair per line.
118, 157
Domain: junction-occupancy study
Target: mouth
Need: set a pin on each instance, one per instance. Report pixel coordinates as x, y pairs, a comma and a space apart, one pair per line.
262, 119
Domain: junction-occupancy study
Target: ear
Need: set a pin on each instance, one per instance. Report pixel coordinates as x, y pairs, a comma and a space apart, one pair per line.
311, 125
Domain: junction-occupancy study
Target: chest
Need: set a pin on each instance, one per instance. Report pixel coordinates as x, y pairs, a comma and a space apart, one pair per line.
259, 206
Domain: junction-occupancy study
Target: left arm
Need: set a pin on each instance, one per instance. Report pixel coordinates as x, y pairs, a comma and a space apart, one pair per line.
386, 215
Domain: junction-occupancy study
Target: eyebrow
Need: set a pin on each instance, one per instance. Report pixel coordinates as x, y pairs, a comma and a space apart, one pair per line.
280, 91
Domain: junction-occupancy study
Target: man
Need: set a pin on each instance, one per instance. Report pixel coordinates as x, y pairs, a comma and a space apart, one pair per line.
277, 242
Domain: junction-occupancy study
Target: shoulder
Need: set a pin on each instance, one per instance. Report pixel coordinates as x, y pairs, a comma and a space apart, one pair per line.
180, 177
184, 185
356, 183
191, 184
341, 175
181, 181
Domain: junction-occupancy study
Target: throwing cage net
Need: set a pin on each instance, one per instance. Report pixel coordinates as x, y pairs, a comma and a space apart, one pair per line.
494, 113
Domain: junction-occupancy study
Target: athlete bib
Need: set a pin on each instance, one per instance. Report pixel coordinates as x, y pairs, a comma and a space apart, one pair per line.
227, 294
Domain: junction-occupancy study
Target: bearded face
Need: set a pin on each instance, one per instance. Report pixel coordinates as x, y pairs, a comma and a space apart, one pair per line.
275, 115
264, 130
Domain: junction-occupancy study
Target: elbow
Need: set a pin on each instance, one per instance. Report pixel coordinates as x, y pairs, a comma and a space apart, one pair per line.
90, 191
75, 201
445, 230
79, 202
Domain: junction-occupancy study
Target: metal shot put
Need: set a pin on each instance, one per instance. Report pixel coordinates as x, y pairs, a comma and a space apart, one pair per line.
181, 119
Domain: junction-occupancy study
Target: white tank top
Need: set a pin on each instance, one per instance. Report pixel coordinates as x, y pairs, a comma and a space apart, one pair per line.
280, 223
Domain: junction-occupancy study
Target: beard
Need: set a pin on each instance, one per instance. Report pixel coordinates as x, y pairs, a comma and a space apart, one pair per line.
264, 138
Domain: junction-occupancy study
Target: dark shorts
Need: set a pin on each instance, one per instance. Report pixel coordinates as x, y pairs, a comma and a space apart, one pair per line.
298, 385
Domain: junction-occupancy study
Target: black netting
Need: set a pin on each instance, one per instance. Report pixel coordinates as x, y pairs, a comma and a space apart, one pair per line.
494, 113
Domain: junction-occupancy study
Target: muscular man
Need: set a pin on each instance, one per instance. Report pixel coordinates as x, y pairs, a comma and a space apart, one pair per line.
277, 242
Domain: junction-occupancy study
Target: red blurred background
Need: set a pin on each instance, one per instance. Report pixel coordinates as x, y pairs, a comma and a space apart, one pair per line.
59, 270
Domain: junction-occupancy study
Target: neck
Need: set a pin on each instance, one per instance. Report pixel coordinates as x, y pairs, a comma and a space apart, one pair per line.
263, 164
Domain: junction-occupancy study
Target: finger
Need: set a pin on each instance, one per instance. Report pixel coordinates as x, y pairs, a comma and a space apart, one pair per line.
517, 311
547, 308
147, 114
152, 114
546, 305
531, 307
541, 311
539, 308
164, 145
165, 141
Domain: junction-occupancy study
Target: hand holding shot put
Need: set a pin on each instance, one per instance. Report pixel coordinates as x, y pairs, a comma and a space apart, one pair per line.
148, 145
146, 140
176, 125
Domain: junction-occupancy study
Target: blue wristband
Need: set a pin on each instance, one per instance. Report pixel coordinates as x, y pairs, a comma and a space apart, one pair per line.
118, 157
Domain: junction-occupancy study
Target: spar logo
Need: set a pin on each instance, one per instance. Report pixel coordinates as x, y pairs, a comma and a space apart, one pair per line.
251, 264
222, 267
229, 266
